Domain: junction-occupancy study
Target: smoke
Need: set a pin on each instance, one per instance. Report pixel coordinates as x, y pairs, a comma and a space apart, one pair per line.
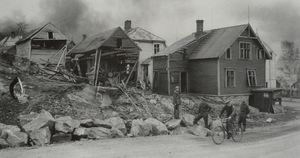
10, 24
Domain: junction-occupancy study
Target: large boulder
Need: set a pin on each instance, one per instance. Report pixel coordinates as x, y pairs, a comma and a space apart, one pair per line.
106, 124
3, 143
44, 119
16, 139
87, 123
40, 136
98, 133
158, 128
80, 132
209, 120
198, 131
24, 119
115, 133
216, 123
140, 128
188, 120
12, 128
66, 124
118, 123
179, 131
172, 124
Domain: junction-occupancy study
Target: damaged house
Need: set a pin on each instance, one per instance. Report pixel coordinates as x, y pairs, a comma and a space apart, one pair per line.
150, 44
227, 61
111, 53
8, 43
45, 45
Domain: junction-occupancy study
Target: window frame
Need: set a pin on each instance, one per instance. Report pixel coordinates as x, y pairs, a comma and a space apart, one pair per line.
242, 55
260, 54
230, 54
226, 78
50, 35
249, 81
156, 48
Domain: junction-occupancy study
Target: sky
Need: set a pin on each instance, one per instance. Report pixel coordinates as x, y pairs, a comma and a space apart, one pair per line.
273, 20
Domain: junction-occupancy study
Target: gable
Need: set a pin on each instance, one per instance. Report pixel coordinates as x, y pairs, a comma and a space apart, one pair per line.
43, 33
126, 41
248, 32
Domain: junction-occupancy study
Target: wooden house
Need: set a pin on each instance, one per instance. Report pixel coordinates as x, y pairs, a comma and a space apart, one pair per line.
218, 62
117, 55
44, 45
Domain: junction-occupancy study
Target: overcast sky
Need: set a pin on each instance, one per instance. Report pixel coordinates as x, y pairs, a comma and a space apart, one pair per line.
274, 20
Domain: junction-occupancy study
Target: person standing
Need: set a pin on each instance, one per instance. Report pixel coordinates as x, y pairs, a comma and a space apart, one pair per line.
204, 109
244, 111
228, 109
176, 102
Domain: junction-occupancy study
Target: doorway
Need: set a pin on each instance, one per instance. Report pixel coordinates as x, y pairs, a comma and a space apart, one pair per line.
183, 82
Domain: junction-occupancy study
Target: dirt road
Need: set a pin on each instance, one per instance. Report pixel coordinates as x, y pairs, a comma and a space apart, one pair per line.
281, 140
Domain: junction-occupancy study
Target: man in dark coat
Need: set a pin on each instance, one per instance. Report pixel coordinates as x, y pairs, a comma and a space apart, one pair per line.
176, 102
244, 111
228, 108
204, 109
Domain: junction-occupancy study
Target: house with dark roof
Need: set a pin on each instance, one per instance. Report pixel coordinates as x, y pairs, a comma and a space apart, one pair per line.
44, 45
150, 44
118, 56
217, 62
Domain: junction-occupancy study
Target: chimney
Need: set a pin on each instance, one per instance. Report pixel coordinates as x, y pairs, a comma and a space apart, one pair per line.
199, 26
127, 25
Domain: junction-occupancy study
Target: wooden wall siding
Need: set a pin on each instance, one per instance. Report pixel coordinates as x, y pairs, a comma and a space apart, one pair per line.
41, 56
240, 66
203, 76
43, 34
23, 50
160, 63
178, 62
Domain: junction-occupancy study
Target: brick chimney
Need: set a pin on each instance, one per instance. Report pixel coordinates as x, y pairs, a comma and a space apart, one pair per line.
199, 26
127, 25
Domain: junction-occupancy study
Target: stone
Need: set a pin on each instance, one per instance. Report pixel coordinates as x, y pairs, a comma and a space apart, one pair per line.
87, 123
140, 128
269, 120
44, 119
179, 131
210, 121
153, 101
115, 133
3, 143
98, 133
15, 139
66, 124
24, 119
103, 123
158, 128
80, 132
198, 131
118, 123
172, 124
216, 123
188, 120
40, 136
8, 127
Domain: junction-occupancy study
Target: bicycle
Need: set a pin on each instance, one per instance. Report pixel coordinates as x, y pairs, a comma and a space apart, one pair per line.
219, 132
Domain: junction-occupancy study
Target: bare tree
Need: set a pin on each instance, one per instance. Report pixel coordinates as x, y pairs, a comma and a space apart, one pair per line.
289, 61
21, 28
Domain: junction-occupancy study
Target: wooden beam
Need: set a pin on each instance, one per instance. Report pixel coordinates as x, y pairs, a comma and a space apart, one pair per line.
97, 66
131, 72
169, 75
59, 61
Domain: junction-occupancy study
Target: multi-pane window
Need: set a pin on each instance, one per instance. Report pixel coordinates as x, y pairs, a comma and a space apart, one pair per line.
260, 54
251, 76
50, 35
244, 50
228, 54
156, 48
230, 78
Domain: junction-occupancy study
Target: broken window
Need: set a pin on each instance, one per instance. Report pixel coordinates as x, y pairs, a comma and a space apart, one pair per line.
228, 54
260, 54
245, 50
156, 48
50, 35
251, 76
230, 78
119, 42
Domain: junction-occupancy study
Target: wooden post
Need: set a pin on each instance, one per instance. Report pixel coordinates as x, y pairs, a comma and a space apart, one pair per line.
62, 55
97, 66
131, 73
169, 75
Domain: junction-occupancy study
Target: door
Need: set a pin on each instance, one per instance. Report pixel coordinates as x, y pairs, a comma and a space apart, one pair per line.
183, 82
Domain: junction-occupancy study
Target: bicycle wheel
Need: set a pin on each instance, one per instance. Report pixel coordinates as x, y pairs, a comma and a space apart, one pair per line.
218, 135
237, 134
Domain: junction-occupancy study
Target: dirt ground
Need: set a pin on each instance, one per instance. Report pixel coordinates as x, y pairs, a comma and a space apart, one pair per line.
278, 140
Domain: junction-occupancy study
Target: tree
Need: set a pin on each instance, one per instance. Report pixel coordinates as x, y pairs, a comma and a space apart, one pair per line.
289, 62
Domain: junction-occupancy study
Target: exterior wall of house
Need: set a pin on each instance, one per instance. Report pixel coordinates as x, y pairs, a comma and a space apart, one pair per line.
40, 56
23, 49
271, 71
240, 66
160, 75
203, 76
147, 52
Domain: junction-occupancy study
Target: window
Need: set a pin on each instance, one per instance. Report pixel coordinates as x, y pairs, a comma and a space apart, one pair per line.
230, 78
156, 48
244, 50
175, 77
251, 76
50, 35
228, 54
119, 42
260, 54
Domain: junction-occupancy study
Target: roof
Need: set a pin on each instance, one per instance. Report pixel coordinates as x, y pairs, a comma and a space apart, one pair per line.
95, 41
34, 32
211, 44
140, 34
